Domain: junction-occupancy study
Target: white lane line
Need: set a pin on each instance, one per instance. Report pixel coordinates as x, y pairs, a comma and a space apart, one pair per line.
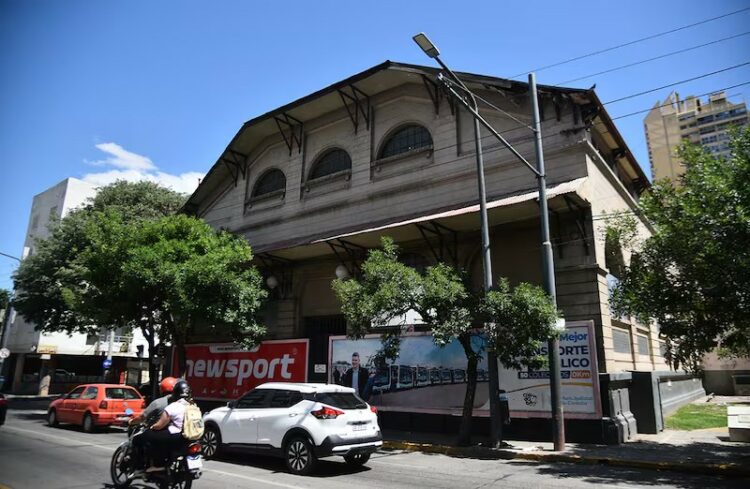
67, 440
255, 479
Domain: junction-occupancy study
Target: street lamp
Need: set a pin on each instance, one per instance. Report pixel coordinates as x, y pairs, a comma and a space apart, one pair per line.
451, 83
432, 51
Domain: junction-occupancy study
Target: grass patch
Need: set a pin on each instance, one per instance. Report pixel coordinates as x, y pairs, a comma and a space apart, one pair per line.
697, 417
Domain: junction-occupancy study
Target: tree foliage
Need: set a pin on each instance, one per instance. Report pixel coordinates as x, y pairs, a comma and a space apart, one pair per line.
125, 260
517, 320
693, 274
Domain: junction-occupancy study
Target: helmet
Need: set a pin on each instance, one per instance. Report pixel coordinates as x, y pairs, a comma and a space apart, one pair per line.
181, 390
167, 385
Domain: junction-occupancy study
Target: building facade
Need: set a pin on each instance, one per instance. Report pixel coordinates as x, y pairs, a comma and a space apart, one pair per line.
316, 183
46, 363
701, 122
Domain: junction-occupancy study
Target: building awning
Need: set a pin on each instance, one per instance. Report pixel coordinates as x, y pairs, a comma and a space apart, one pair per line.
514, 208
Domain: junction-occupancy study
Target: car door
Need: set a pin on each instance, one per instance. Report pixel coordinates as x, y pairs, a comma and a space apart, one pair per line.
87, 402
241, 424
68, 405
281, 414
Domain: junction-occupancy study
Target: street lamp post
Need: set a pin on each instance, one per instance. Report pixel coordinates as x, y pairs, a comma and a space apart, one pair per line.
452, 83
432, 51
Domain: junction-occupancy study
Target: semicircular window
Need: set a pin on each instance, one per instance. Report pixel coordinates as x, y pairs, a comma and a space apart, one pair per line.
331, 162
271, 181
408, 138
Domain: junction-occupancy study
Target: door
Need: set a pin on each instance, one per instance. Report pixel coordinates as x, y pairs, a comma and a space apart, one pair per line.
283, 412
68, 405
241, 425
318, 329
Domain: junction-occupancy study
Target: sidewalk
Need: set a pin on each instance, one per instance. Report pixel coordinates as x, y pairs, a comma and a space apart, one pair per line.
698, 451
29, 402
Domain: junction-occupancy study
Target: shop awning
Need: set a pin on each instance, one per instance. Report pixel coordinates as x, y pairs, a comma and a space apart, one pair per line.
503, 210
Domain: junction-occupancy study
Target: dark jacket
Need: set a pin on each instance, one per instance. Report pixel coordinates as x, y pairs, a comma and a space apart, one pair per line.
363, 375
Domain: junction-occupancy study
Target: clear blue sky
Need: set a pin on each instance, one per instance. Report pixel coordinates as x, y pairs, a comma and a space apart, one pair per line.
159, 88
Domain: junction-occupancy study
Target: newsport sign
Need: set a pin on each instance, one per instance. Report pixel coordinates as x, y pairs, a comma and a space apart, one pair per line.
222, 371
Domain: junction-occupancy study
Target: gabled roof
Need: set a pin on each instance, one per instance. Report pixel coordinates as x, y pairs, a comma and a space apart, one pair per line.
374, 80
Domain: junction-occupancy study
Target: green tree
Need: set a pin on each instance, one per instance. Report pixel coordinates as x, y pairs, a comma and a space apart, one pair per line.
4, 299
191, 279
692, 275
517, 320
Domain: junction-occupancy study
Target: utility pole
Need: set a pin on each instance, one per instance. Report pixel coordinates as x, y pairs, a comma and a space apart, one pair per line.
458, 90
548, 270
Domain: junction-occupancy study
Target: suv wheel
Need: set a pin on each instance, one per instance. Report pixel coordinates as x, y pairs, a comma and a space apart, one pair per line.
299, 456
357, 458
211, 441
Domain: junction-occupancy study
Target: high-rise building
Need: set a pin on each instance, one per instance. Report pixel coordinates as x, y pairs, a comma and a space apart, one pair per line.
674, 120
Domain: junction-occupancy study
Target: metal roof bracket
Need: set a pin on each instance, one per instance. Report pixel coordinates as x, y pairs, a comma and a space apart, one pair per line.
295, 128
358, 102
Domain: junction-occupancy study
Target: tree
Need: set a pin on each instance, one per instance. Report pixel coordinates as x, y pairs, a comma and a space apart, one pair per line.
517, 321
192, 277
4, 299
692, 275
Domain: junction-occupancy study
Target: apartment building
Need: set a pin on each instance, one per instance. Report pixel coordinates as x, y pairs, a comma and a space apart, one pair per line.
703, 122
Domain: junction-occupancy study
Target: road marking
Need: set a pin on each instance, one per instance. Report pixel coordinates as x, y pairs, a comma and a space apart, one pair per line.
255, 479
13, 428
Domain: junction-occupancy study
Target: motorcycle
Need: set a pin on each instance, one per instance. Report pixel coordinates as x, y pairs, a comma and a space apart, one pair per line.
182, 468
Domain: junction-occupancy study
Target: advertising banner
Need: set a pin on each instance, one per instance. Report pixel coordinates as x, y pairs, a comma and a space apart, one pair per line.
222, 371
429, 379
528, 390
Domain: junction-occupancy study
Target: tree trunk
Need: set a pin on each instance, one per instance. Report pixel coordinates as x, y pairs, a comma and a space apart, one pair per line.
464, 432
148, 333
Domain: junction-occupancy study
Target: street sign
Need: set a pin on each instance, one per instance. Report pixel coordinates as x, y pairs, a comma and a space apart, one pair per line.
4, 353
107, 363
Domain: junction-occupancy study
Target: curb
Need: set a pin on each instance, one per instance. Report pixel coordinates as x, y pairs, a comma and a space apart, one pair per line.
721, 469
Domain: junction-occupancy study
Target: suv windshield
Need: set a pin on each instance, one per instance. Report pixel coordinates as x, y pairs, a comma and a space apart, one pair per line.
341, 400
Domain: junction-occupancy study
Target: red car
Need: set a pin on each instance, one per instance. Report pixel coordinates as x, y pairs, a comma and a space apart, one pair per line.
94, 405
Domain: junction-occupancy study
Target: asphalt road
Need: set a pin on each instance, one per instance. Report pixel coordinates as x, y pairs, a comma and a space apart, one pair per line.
33, 455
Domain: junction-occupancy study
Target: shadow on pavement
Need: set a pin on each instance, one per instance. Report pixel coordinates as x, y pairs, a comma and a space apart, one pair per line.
681, 453
606, 475
327, 467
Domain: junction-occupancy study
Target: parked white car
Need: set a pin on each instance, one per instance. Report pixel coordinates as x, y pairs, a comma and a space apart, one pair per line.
300, 422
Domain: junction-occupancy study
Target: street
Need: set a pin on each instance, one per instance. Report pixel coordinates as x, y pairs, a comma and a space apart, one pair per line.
33, 455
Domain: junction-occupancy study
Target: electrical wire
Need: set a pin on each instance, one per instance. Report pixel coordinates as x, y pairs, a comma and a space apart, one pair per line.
673, 53
705, 75
630, 43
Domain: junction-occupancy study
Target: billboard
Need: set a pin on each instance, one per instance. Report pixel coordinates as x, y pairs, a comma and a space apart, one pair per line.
429, 379
222, 371
528, 390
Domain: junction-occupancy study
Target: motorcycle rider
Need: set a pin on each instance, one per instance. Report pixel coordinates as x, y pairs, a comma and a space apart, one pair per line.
155, 408
166, 433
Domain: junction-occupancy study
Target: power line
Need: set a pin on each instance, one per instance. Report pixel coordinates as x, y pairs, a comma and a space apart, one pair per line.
630, 43
629, 65
705, 75
668, 104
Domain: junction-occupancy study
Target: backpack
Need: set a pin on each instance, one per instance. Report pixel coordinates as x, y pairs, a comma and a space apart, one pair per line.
192, 423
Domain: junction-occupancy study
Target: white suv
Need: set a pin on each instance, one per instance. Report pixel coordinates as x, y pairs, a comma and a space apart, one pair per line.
301, 422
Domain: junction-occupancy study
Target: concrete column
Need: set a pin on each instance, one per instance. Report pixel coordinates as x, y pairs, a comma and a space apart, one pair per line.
18, 372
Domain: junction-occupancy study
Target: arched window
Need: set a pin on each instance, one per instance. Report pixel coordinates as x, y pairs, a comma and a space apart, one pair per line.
332, 161
406, 139
271, 181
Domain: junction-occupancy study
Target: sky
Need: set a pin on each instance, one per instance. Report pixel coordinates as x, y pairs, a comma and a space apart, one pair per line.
155, 90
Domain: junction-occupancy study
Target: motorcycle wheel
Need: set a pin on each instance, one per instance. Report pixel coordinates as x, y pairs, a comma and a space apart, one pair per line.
119, 469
